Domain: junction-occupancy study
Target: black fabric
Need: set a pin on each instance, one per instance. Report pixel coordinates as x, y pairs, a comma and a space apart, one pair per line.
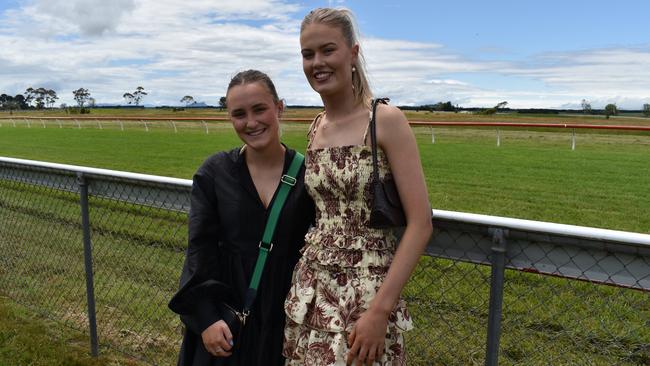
226, 223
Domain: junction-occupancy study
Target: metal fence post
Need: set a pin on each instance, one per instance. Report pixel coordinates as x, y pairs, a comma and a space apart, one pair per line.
496, 295
88, 263
573, 139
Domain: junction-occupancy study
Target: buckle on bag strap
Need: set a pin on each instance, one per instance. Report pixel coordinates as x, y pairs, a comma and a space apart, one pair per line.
287, 179
243, 316
268, 247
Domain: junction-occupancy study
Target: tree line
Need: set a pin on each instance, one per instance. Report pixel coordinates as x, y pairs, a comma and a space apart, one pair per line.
41, 98
610, 109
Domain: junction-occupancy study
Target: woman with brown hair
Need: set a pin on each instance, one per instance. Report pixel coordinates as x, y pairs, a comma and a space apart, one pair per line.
233, 195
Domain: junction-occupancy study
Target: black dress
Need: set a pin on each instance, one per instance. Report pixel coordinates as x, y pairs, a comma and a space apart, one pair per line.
226, 223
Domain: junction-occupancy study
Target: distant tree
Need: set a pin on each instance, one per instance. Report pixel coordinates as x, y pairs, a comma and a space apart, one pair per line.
187, 100
610, 110
50, 97
63, 106
138, 94
135, 97
13, 103
128, 97
91, 102
11, 106
42, 97
4, 98
586, 106
444, 107
222, 103
22, 102
646, 109
82, 96
494, 109
30, 94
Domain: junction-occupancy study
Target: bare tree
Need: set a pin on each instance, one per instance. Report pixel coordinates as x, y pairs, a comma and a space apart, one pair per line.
586, 106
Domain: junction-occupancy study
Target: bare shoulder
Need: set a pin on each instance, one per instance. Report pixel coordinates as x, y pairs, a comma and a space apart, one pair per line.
390, 118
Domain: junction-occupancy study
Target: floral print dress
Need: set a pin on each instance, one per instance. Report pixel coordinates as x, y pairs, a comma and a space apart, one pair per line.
344, 262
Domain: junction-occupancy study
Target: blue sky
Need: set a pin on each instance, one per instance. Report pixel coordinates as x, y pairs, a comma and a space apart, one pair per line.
549, 54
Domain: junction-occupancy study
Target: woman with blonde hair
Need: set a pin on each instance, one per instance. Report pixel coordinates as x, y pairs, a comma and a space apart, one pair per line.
344, 305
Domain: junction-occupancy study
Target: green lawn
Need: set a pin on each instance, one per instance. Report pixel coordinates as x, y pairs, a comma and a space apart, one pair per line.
27, 339
605, 182
534, 175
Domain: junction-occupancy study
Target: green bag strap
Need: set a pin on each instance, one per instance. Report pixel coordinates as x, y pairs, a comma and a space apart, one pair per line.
287, 182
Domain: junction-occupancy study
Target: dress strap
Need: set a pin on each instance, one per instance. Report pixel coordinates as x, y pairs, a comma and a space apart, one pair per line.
313, 127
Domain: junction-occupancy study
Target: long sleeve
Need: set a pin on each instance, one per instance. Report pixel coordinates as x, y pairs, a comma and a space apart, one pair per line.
199, 285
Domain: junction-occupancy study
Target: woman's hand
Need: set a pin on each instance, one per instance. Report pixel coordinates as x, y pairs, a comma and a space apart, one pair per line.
217, 339
368, 337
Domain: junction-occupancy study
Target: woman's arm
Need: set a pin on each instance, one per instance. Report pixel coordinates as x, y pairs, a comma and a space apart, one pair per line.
198, 283
396, 139
198, 275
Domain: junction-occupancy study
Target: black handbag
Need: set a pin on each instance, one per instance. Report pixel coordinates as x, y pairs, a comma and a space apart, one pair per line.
236, 320
386, 210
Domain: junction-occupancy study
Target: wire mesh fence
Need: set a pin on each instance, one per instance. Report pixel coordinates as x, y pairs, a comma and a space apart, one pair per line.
564, 299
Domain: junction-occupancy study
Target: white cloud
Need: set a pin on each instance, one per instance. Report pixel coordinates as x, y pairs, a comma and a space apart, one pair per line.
177, 48
92, 17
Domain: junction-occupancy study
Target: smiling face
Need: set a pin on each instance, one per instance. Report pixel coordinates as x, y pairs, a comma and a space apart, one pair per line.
254, 114
327, 59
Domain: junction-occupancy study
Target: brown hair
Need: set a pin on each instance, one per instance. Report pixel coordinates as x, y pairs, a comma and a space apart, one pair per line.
252, 76
343, 19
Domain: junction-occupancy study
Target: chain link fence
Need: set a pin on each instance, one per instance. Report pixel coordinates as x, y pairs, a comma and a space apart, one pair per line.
490, 290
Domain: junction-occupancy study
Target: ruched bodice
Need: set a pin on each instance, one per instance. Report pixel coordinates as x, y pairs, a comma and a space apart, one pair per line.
339, 181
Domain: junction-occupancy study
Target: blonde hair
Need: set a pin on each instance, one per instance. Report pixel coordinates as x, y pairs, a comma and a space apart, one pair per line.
343, 19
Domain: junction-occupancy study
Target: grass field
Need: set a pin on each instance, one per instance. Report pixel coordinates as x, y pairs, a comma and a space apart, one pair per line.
27, 339
622, 119
605, 182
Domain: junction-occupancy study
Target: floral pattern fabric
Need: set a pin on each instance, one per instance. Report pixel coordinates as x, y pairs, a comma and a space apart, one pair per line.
343, 264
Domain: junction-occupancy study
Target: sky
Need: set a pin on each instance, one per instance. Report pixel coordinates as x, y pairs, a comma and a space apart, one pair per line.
474, 53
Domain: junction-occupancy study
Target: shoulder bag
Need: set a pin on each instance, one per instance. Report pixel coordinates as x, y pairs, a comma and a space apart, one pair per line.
386, 210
